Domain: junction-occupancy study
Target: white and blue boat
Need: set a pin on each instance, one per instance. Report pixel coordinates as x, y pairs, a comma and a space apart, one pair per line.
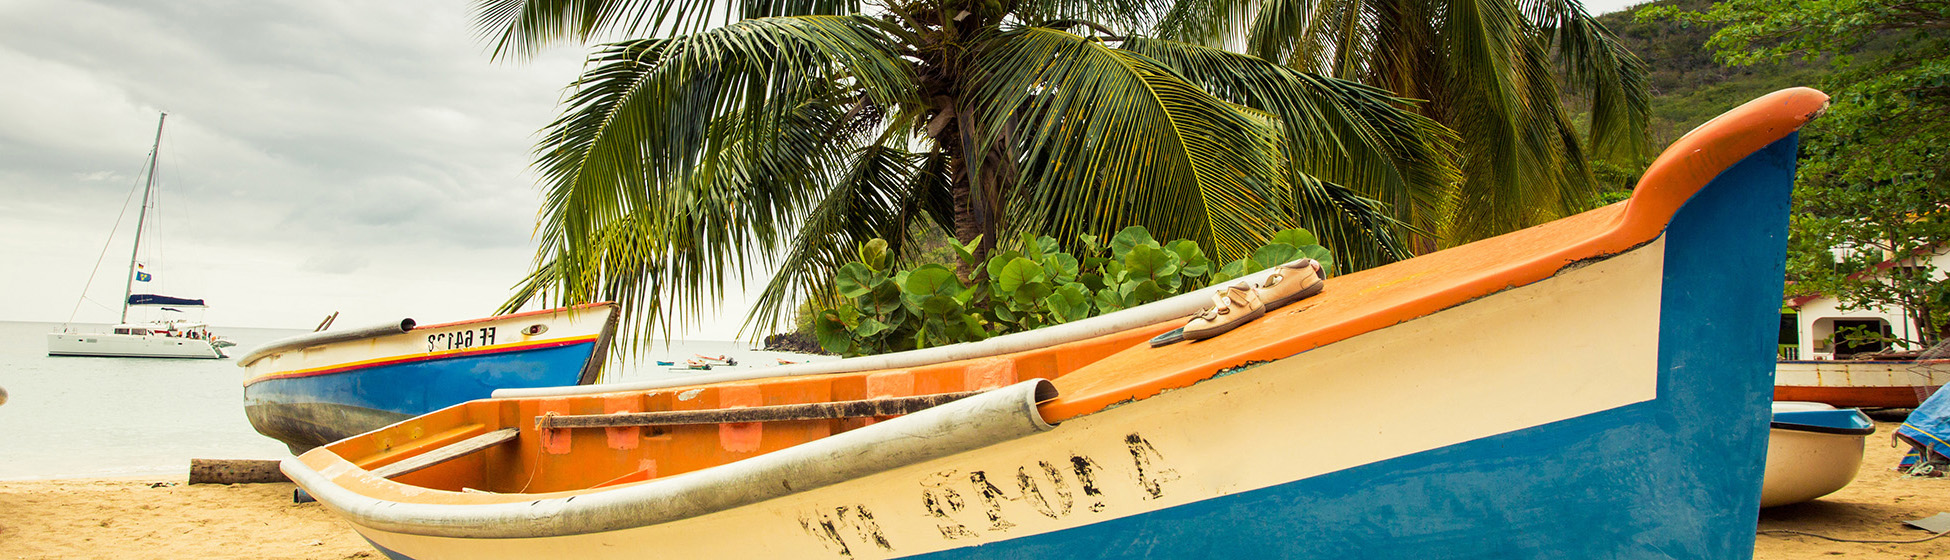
1594, 387
313, 389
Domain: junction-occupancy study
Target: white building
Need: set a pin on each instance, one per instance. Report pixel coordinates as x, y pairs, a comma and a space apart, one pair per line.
1818, 316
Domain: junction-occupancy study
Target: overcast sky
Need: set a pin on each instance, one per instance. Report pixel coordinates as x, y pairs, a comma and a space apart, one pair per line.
360, 156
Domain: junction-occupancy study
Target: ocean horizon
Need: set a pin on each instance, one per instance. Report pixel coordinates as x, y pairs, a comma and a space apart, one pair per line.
87, 417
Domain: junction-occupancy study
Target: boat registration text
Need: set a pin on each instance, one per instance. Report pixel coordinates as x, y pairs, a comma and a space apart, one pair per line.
460, 340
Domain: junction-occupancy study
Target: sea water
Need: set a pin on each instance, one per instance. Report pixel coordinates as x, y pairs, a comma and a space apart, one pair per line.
81, 417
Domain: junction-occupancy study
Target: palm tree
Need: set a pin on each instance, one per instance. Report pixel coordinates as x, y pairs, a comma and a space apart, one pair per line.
787, 133
1486, 69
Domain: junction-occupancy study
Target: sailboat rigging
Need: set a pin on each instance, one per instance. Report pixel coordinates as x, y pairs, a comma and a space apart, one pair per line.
154, 339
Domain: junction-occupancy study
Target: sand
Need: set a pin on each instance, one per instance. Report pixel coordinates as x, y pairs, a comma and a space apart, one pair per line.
1873, 507
167, 519
159, 518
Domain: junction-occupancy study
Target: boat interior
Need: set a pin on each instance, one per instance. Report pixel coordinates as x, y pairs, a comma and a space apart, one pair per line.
509, 449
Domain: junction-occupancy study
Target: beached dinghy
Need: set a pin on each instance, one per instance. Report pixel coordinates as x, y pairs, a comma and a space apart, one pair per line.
1594, 387
1813, 449
317, 388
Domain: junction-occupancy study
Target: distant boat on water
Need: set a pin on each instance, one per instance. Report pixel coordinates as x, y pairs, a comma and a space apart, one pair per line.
313, 389
155, 339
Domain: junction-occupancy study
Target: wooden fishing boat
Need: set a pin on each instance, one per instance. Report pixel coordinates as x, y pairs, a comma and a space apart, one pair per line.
1865, 383
1813, 449
321, 387
1592, 387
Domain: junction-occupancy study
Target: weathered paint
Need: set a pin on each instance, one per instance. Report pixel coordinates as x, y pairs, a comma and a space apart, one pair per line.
315, 395
1851, 383
1548, 395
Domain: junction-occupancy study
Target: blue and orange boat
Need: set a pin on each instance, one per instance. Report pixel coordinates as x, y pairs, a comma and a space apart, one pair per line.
1594, 387
318, 388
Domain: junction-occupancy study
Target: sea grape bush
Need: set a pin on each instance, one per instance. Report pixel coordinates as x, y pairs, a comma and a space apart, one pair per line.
1032, 285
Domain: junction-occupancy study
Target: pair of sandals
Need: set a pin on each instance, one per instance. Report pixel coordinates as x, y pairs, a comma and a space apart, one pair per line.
1239, 303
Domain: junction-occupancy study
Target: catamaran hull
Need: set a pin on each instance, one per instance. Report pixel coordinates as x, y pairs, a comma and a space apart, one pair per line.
309, 396
130, 346
1564, 418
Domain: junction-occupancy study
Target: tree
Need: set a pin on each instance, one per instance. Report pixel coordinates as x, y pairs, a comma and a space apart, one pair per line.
1874, 174
1493, 70
753, 131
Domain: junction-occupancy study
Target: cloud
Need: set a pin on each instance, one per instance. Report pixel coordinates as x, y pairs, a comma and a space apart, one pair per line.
357, 155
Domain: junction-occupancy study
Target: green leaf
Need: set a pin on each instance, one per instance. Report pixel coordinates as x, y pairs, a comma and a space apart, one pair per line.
870, 327
833, 335
1232, 271
966, 252
1274, 254
1295, 236
1061, 267
874, 253
1108, 300
931, 279
855, 280
1030, 294
1140, 293
1149, 262
1195, 264
1069, 303
1130, 237
1019, 272
1321, 254
999, 260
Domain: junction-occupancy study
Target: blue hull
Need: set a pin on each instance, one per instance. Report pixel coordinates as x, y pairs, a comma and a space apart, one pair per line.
1648, 480
306, 412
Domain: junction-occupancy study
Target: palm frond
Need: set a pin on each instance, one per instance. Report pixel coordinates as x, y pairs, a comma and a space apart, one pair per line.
667, 174
1112, 138
521, 27
1342, 133
865, 202
1597, 63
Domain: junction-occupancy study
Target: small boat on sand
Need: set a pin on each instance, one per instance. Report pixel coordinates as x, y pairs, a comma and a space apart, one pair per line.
1593, 387
1813, 449
1860, 383
718, 360
313, 389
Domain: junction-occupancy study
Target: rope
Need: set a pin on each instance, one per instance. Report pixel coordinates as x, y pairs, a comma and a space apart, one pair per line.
1839, 539
98, 258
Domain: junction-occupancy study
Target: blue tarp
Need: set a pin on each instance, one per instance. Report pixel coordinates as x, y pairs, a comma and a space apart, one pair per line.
1928, 430
153, 299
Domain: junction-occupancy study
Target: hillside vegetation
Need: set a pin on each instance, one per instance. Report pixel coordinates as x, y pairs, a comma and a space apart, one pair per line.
1688, 86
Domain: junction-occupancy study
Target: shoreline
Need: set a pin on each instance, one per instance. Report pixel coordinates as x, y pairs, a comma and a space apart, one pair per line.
161, 517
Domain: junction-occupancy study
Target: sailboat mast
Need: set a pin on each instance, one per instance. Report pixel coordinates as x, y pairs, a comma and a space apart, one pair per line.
155, 152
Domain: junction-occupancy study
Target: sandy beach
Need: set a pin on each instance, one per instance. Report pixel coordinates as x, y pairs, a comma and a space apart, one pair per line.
166, 519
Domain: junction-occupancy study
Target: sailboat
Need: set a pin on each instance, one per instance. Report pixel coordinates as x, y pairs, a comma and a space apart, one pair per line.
153, 339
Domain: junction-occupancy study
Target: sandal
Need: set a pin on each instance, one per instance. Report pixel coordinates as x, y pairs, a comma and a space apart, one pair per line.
1233, 306
1290, 282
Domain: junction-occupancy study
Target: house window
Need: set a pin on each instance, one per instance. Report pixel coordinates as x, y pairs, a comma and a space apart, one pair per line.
1846, 345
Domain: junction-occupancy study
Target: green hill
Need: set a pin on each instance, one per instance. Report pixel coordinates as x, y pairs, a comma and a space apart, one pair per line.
1688, 86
